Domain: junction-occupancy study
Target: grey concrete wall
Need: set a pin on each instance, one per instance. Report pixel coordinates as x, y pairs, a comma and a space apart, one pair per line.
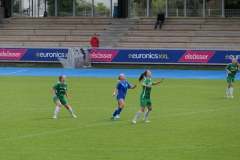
1, 12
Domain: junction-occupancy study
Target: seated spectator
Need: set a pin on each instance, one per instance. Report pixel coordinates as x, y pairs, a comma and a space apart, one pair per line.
160, 19
94, 41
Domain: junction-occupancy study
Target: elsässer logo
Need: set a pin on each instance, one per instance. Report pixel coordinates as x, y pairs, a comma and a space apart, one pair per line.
12, 54
196, 56
103, 55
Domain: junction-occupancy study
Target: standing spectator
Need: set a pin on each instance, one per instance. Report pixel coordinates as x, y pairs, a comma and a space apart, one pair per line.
160, 19
94, 41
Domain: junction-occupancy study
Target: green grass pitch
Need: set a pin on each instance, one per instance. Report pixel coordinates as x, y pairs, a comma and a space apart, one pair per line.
191, 119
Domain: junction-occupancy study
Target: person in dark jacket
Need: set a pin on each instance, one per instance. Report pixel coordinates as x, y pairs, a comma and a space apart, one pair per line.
94, 41
160, 19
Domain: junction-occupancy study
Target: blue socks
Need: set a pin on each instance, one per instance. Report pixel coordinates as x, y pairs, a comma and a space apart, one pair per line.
115, 113
119, 110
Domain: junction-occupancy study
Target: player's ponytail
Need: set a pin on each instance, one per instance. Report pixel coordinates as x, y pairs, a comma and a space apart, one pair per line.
144, 74
60, 78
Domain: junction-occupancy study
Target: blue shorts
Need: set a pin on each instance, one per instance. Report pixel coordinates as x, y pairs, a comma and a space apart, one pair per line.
120, 97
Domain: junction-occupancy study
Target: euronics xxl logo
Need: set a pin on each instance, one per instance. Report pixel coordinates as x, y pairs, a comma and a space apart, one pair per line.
232, 56
148, 56
51, 54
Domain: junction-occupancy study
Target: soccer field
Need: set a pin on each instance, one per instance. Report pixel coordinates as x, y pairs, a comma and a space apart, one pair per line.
191, 119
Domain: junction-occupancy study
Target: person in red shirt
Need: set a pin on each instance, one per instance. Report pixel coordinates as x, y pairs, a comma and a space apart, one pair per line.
94, 41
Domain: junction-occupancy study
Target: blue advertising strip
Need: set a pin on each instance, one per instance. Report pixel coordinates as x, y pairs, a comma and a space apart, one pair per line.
32, 54
163, 56
123, 55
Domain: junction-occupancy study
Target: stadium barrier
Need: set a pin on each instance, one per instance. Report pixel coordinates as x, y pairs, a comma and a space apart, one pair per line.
124, 56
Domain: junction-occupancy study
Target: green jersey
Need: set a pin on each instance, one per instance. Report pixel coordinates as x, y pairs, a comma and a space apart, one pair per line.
233, 69
146, 91
60, 89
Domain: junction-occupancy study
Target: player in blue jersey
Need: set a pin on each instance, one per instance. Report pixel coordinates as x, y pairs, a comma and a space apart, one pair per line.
121, 88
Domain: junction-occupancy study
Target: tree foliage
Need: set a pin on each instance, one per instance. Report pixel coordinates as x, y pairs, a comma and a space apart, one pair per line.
65, 7
16, 6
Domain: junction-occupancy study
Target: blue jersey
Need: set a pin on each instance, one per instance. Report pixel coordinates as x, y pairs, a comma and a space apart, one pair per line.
122, 89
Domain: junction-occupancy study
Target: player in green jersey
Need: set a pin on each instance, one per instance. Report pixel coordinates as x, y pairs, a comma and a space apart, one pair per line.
232, 69
59, 90
145, 100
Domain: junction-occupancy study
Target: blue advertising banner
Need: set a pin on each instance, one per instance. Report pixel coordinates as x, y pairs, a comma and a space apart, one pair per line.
148, 56
163, 56
32, 54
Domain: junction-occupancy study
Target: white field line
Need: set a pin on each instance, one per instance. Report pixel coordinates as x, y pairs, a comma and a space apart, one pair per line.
109, 123
159, 148
13, 72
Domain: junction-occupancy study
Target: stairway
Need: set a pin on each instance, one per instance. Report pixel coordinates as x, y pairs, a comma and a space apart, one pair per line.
116, 31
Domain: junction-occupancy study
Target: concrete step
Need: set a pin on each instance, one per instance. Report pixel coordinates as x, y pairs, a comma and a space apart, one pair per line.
49, 32
179, 45
169, 26
175, 20
44, 44
189, 39
194, 20
34, 26
58, 19
3, 37
198, 32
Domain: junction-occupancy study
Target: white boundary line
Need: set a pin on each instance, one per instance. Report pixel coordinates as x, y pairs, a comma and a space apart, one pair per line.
109, 123
13, 72
159, 148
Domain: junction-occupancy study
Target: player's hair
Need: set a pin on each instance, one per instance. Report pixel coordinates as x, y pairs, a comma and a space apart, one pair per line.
119, 77
60, 77
144, 74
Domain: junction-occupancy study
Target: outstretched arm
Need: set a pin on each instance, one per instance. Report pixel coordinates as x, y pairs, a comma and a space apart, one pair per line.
156, 83
134, 86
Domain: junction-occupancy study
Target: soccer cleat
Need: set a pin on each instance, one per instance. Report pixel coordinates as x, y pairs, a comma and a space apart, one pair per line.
117, 117
146, 121
112, 117
134, 122
231, 97
226, 96
74, 116
54, 117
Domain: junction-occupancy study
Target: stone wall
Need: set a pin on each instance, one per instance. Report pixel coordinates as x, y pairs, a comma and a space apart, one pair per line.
1, 12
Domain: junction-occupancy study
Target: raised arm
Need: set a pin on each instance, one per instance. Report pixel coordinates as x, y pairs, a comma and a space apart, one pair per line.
156, 83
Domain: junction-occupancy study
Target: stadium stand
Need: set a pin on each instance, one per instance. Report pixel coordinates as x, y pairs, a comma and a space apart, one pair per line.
196, 33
